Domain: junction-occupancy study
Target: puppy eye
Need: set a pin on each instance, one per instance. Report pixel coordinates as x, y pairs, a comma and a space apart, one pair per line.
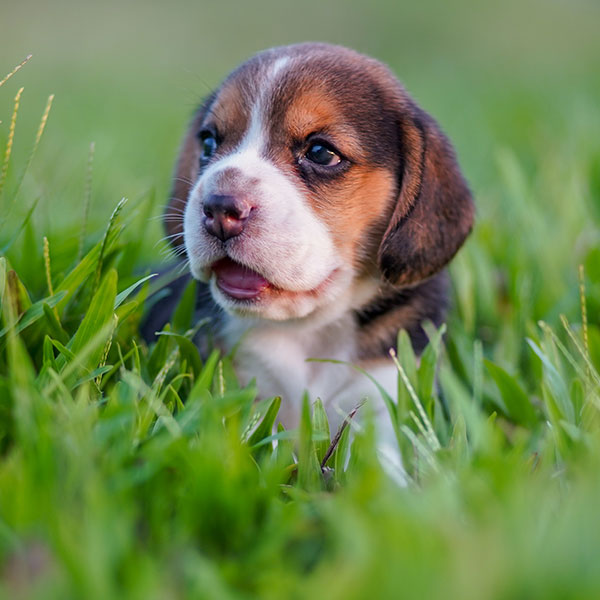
209, 145
322, 154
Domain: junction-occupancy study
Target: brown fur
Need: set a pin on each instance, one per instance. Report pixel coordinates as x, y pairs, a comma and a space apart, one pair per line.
186, 172
353, 207
317, 110
434, 211
395, 309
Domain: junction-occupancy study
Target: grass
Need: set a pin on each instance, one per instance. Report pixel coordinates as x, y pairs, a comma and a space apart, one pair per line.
135, 471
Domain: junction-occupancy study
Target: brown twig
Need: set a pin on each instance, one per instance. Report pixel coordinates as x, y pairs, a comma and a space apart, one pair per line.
338, 435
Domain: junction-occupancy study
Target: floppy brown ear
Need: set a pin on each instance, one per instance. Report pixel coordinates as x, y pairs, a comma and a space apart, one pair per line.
184, 177
434, 211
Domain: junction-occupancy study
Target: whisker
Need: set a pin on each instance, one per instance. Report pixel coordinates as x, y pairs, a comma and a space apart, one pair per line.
183, 266
172, 201
168, 245
166, 238
175, 209
176, 252
170, 258
158, 217
184, 179
170, 207
169, 218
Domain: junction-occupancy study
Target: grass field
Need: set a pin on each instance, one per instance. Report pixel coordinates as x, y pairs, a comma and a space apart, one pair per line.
136, 472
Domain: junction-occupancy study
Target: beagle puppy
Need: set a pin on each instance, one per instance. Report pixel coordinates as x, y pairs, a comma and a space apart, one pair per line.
318, 204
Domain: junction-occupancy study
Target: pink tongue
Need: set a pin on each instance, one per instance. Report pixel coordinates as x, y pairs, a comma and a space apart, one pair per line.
238, 281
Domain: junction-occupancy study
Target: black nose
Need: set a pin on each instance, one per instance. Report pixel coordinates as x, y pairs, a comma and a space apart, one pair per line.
225, 216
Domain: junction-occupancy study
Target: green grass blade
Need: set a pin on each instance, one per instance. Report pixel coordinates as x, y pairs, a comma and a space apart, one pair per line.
98, 318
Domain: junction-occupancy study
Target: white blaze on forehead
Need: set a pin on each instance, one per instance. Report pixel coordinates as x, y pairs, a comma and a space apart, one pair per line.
278, 65
256, 134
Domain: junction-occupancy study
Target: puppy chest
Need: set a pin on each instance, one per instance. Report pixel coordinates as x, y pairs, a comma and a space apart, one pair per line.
279, 360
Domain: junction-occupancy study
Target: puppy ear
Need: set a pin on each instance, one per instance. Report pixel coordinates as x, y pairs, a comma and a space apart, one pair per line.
434, 212
186, 172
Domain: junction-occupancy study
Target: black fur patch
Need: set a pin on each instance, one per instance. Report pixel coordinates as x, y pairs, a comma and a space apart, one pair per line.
405, 308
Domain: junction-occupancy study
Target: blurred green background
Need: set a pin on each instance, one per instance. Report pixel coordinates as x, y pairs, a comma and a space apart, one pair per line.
517, 75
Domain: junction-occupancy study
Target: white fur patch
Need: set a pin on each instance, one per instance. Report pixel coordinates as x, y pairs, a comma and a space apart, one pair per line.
255, 138
277, 355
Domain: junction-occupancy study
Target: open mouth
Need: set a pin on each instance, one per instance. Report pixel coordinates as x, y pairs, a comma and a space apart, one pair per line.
237, 281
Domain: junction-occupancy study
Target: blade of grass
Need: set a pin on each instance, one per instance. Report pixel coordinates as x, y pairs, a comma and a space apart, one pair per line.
321, 430
265, 427
20, 229
104, 245
34, 148
431, 437
33, 313
71, 283
16, 69
9, 142
98, 316
122, 296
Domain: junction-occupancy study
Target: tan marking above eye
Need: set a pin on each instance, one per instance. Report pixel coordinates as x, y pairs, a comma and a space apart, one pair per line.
228, 113
316, 111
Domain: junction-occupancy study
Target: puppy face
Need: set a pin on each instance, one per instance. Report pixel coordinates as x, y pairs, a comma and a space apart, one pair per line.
308, 173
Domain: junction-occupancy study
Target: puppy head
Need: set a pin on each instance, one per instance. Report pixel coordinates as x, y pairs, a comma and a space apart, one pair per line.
309, 171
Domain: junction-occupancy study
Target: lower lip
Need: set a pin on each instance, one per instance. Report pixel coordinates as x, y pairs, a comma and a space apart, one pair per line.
248, 294
238, 282
240, 293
